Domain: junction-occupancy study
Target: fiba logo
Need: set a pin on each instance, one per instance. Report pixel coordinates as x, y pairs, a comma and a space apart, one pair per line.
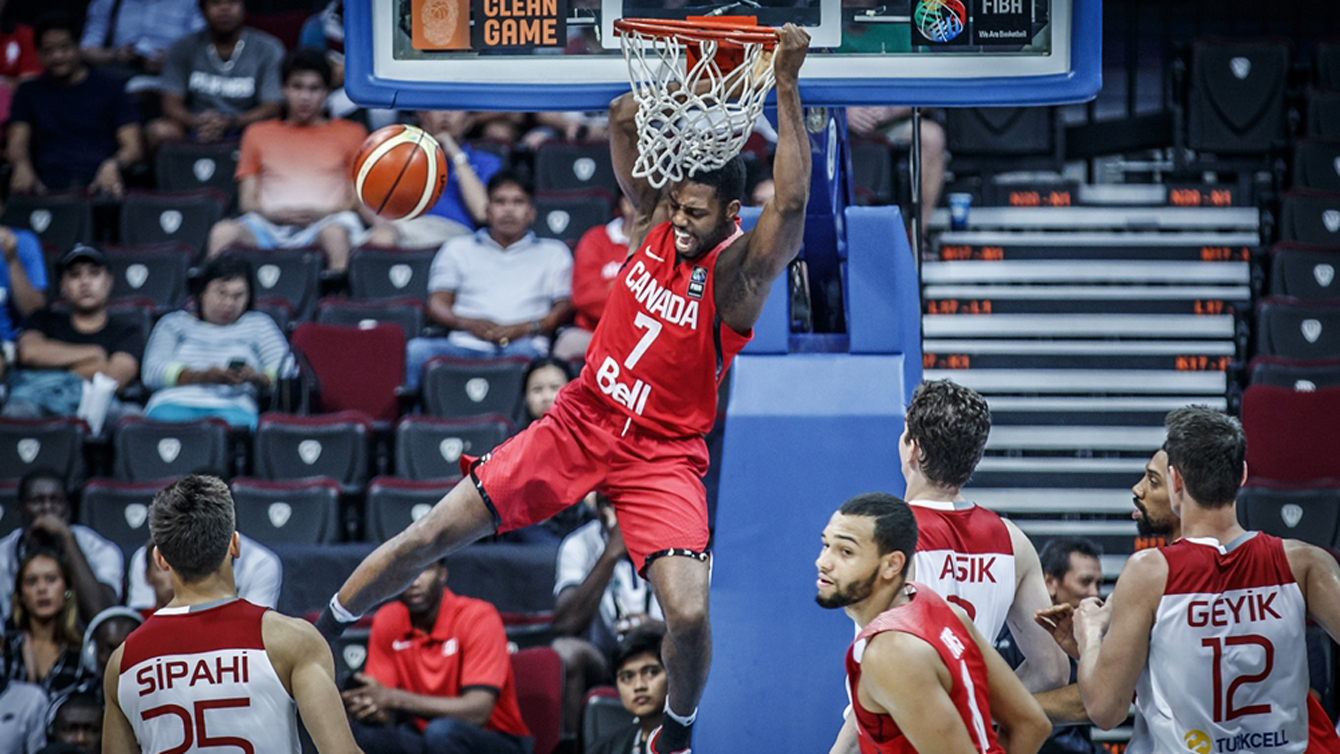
940, 20
1197, 741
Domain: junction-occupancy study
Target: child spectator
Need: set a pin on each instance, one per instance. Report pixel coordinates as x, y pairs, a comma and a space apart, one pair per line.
43, 646
595, 263
293, 174
72, 127
214, 362
218, 81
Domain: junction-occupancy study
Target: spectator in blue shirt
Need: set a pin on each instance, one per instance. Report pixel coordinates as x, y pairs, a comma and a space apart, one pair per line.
465, 199
23, 281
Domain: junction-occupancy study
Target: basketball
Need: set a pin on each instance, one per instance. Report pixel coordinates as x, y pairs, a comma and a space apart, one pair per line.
400, 172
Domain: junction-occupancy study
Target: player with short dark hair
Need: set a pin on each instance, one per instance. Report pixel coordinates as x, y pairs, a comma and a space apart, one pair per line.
1071, 569
920, 676
212, 670
632, 425
968, 554
1208, 632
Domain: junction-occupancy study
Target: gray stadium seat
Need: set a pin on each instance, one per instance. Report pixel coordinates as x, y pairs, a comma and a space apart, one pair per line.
288, 512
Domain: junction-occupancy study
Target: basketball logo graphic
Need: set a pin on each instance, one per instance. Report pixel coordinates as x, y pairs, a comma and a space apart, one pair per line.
1197, 741
940, 20
439, 19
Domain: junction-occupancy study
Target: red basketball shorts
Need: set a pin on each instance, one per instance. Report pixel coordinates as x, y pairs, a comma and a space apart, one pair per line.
582, 445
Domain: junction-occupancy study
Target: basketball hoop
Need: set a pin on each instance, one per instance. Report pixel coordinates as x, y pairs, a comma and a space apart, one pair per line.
694, 114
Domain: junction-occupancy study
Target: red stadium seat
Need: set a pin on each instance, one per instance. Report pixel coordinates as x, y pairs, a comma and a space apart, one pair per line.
539, 694
359, 368
1291, 435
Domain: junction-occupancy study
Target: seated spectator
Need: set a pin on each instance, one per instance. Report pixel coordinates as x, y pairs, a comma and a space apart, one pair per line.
640, 677
130, 38
18, 57
23, 716
598, 598
107, 631
438, 678
73, 127
76, 725
218, 81
43, 644
257, 570
213, 362
23, 280
96, 565
544, 377
895, 125
502, 290
324, 32
293, 175
595, 263
59, 349
464, 202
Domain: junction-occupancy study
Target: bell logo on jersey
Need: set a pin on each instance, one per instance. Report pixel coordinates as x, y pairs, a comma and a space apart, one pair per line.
969, 568
662, 302
634, 396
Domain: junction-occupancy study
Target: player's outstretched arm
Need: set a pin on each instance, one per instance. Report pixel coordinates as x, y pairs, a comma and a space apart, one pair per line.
1045, 666
904, 676
1113, 638
117, 735
1318, 574
775, 240
1023, 722
848, 741
304, 664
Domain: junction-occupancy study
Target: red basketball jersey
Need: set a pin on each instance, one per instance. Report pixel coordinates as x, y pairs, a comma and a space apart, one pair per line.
965, 554
660, 350
198, 678
928, 617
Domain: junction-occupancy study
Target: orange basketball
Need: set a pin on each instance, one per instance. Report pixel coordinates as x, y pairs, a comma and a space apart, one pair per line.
400, 172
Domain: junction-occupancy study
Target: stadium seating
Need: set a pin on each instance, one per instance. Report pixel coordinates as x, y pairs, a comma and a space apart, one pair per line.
1235, 103
1310, 513
1295, 374
575, 169
1311, 217
186, 166
430, 448
1298, 329
602, 714
405, 313
31, 444
1326, 60
1286, 430
378, 273
328, 445
1323, 115
147, 451
566, 219
287, 512
185, 218
357, 368
468, 387
538, 673
394, 504
290, 275
118, 511
1316, 165
157, 272
58, 220
872, 174
1000, 139
1304, 272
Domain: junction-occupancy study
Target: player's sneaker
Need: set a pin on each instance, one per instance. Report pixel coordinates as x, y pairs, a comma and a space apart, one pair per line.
654, 742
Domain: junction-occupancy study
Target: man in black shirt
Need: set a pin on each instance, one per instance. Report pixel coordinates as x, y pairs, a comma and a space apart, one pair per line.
59, 348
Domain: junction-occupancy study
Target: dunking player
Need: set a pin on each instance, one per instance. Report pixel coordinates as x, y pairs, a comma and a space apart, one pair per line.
211, 670
1208, 632
920, 675
966, 553
1154, 518
631, 426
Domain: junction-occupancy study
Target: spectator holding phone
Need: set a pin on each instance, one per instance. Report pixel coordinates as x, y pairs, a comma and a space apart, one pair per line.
213, 362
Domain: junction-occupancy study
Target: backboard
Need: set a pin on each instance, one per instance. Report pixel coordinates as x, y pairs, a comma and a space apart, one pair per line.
563, 54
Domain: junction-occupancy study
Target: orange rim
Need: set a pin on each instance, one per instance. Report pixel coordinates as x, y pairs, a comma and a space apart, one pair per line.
722, 30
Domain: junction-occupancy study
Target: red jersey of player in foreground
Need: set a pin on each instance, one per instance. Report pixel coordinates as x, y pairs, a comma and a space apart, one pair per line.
928, 617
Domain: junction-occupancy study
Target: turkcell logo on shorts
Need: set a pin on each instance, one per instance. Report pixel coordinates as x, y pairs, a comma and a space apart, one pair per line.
633, 396
1199, 742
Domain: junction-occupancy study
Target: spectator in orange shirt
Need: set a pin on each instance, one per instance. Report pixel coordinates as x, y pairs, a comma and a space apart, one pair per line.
438, 673
596, 262
293, 175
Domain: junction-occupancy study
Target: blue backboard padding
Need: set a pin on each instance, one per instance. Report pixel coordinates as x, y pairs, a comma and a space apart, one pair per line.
1080, 84
883, 308
804, 433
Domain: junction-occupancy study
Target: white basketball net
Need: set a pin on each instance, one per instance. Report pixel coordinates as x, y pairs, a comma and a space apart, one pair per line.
695, 120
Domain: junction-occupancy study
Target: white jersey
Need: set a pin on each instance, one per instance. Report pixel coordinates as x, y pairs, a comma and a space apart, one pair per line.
1227, 668
199, 679
965, 554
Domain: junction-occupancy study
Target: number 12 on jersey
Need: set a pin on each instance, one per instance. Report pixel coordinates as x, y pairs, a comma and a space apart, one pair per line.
1223, 698
633, 396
